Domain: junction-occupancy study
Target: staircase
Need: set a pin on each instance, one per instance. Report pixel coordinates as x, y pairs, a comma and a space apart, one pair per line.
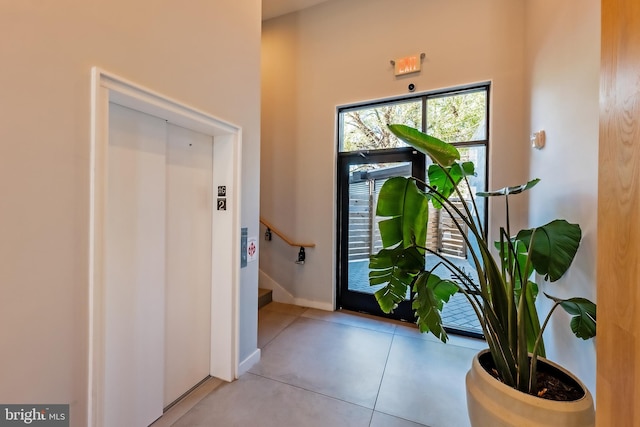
264, 297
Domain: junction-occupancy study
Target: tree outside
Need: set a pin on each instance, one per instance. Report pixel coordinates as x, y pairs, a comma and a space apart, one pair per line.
366, 129
458, 118
452, 118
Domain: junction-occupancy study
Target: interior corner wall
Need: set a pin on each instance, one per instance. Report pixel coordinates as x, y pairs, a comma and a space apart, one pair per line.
338, 53
205, 54
563, 63
279, 165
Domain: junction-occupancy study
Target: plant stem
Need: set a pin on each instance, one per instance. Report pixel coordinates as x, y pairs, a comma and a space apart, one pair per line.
534, 356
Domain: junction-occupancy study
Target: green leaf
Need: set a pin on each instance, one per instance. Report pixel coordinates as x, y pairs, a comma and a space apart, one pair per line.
441, 152
554, 247
516, 252
583, 323
391, 231
408, 209
408, 260
389, 296
509, 190
532, 322
431, 294
439, 180
396, 268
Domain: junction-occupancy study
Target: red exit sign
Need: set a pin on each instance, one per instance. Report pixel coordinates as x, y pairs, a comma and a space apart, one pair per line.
407, 65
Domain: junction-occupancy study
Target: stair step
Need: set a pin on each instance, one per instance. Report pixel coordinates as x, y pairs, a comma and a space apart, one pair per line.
264, 297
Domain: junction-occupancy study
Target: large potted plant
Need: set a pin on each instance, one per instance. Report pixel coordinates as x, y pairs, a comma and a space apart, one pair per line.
510, 384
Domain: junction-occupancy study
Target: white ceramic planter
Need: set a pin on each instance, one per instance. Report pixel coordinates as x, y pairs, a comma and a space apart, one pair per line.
493, 404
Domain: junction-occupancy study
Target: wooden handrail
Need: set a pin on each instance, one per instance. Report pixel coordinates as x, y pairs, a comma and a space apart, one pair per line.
285, 238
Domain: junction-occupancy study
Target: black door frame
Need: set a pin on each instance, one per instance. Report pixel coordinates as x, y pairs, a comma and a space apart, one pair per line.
358, 301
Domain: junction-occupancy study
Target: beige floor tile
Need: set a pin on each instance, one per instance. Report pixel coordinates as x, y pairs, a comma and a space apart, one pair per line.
322, 368
339, 361
383, 420
461, 341
353, 319
412, 331
260, 402
424, 382
270, 324
293, 310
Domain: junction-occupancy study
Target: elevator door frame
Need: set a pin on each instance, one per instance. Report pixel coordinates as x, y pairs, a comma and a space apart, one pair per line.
227, 140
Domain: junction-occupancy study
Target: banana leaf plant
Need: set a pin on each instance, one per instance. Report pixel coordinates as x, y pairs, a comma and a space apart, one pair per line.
503, 294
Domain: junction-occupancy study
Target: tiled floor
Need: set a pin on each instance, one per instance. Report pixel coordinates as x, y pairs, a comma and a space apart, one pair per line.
341, 369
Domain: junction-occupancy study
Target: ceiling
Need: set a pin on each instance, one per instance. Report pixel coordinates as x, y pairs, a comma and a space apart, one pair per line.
273, 8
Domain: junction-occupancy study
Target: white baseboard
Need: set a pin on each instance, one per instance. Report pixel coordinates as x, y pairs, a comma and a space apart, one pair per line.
247, 363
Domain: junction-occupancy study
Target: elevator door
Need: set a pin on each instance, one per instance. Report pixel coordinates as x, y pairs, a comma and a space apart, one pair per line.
158, 265
188, 285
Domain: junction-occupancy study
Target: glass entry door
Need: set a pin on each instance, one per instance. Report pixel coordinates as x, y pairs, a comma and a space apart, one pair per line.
361, 175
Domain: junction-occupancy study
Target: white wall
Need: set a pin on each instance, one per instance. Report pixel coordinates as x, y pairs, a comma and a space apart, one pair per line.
563, 64
338, 53
204, 53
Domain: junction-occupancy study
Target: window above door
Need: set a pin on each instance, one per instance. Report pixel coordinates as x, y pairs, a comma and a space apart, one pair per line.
458, 115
